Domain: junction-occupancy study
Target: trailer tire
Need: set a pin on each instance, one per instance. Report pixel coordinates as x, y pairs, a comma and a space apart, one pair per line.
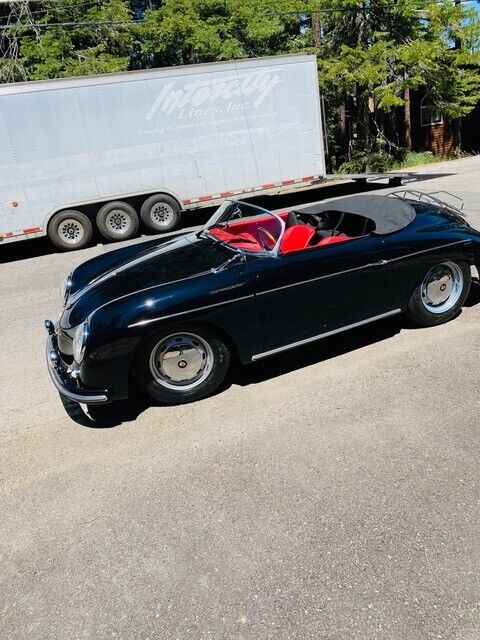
117, 220
160, 213
70, 230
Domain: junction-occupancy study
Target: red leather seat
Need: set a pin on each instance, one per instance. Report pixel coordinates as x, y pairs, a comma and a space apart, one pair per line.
332, 239
296, 238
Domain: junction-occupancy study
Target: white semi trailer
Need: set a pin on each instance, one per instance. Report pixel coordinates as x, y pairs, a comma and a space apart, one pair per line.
139, 147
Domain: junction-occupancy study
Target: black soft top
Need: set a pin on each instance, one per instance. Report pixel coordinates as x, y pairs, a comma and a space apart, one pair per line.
389, 214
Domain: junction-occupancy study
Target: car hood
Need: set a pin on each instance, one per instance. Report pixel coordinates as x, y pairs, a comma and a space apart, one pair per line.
138, 267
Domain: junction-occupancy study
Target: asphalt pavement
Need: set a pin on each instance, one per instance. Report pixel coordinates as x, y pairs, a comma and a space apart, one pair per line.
331, 493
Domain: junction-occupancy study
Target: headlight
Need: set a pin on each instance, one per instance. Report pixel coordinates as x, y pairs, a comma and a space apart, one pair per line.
80, 341
65, 289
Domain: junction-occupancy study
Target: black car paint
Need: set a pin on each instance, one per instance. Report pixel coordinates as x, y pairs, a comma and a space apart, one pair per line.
257, 304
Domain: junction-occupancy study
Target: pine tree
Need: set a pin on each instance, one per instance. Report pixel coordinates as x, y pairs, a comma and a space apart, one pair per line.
372, 55
61, 51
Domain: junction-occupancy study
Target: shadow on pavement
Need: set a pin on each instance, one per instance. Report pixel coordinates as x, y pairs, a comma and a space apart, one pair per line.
474, 295
105, 416
316, 352
116, 413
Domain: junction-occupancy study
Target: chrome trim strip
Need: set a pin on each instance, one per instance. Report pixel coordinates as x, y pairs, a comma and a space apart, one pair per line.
365, 266
328, 275
300, 343
417, 253
142, 323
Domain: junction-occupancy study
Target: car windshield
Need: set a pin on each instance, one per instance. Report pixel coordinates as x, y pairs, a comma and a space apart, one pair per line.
246, 227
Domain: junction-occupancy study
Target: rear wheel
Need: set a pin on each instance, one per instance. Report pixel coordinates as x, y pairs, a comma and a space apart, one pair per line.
182, 365
441, 294
161, 213
70, 230
117, 221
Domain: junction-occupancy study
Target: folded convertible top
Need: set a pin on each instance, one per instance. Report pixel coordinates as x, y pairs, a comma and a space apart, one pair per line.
388, 214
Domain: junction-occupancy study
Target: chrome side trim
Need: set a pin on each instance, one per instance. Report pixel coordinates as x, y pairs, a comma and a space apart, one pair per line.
142, 323
300, 343
417, 253
328, 275
364, 266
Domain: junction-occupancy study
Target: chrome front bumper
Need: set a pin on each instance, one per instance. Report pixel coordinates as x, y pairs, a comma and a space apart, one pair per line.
69, 387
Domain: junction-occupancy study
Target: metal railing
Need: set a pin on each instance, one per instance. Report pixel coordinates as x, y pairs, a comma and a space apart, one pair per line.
432, 197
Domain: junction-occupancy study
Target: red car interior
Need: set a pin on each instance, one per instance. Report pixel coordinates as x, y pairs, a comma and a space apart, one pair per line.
296, 237
245, 234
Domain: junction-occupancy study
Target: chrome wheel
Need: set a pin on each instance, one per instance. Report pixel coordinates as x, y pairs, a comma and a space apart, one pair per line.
71, 231
162, 214
181, 361
442, 287
118, 222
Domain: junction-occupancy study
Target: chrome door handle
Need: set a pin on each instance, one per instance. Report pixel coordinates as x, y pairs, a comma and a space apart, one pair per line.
379, 263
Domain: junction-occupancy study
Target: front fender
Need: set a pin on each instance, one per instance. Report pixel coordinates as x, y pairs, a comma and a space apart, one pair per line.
223, 300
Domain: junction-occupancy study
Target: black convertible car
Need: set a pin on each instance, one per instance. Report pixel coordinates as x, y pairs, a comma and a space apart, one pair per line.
170, 314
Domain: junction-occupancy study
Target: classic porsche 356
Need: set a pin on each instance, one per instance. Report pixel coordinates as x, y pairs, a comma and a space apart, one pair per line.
170, 314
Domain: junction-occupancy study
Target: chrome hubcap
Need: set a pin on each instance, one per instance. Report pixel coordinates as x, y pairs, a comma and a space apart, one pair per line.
71, 231
181, 361
442, 287
162, 214
118, 222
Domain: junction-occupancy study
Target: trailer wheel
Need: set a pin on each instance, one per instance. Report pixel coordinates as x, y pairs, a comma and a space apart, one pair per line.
70, 229
117, 221
160, 213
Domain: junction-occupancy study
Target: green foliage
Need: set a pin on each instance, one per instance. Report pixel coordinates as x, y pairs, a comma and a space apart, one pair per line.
186, 31
367, 162
415, 158
58, 52
379, 162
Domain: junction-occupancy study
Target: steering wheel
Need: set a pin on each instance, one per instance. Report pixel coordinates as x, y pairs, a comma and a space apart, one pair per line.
269, 237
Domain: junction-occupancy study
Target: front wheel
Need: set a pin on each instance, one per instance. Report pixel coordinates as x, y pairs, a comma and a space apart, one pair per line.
441, 294
182, 365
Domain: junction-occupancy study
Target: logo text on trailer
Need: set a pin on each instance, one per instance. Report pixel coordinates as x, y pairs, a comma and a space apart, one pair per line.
255, 85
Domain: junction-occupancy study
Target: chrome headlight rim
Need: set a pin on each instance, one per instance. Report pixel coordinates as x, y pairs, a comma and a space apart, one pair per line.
65, 288
80, 341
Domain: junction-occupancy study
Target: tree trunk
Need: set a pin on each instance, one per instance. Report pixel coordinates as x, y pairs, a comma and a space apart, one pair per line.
407, 120
316, 30
342, 129
457, 134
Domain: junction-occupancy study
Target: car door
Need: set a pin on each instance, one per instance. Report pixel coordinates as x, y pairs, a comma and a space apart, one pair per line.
304, 294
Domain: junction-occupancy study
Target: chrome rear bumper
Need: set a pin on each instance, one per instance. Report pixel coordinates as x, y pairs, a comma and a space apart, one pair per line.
65, 384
